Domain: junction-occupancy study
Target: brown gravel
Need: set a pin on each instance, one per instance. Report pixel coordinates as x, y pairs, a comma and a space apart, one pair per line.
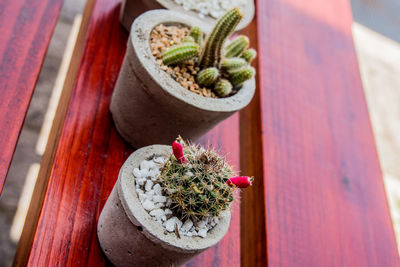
162, 37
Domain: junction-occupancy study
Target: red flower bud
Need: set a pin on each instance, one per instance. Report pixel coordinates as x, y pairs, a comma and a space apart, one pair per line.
240, 181
178, 152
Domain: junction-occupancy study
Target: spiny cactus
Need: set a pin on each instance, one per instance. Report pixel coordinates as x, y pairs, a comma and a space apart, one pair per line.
233, 63
188, 39
197, 34
238, 77
223, 88
249, 55
211, 54
199, 187
207, 76
180, 53
237, 46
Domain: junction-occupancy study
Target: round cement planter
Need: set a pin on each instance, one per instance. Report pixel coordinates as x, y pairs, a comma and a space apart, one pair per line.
149, 107
130, 237
130, 9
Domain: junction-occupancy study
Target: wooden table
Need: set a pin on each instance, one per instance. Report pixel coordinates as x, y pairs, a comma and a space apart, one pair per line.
25, 31
318, 198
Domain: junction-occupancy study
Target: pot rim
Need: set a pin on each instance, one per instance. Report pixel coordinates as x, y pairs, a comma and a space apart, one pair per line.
152, 229
248, 12
140, 39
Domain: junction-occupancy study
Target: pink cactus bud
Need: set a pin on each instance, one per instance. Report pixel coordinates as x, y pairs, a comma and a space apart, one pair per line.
178, 152
240, 181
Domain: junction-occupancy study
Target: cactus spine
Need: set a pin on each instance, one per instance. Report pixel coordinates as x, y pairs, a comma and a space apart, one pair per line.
211, 53
196, 34
249, 55
230, 64
207, 76
180, 53
238, 77
237, 46
223, 88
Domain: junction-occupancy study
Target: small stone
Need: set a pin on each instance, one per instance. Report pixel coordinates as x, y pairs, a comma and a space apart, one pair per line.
137, 173
148, 205
203, 232
157, 198
188, 234
149, 185
159, 160
157, 189
142, 197
170, 224
158, 213
168, 211
139, 191
187, 225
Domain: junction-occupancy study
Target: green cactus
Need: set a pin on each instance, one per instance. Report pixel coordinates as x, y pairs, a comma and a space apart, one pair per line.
237, 46
223, 88
233, 63
211, 53
249, 55
198, 188
188, 39
238, 77
207, 76
180, 53
196, 34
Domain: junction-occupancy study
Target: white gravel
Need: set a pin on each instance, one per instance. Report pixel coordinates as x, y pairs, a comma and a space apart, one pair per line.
213, 8
156, 203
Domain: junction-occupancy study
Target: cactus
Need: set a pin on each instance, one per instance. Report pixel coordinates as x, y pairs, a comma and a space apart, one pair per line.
188, 39
211, 53
196, 34
223, 88
237, 46
207, 76
238, 77
249, 55
198, 188
230, 64
180, 53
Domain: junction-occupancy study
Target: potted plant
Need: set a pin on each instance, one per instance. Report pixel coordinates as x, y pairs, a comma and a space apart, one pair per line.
207, 11
165, 91
166, 208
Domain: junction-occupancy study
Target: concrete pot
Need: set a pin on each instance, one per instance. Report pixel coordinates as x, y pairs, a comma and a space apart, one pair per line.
149, 107
130, 237
130, 9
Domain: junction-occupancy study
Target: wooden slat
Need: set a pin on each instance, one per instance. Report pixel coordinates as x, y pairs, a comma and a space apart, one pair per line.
324, 199
90, 153
25, 31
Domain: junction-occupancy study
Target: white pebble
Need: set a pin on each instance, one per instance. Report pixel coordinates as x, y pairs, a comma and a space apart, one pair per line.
139, 191
142, 197
168, 211
137, 173
161, 199
187, 225
148, 205
157, 189
203, 232
157, 213
145, 165
149, 185
170, 224
159, 160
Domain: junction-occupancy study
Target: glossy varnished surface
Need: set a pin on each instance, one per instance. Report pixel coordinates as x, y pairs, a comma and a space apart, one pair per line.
25, 31
325, 203
89, 156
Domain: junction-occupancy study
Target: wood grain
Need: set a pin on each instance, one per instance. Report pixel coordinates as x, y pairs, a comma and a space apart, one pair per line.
90, 153
325, 204
25, 31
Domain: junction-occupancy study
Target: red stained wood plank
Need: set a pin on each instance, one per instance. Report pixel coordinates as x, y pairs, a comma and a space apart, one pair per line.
25, 31
89, 156
325, 204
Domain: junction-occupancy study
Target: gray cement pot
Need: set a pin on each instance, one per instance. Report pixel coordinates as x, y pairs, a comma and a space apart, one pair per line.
130, 237
130, 9
149, 107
